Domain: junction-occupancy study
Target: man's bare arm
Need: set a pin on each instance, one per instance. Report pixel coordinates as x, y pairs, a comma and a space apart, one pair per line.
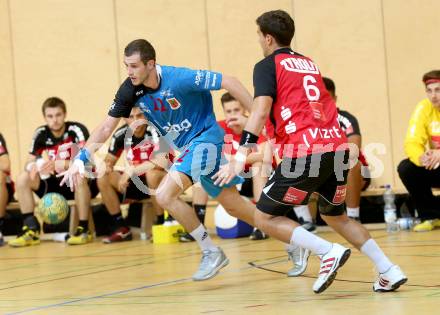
101, 134
237, 90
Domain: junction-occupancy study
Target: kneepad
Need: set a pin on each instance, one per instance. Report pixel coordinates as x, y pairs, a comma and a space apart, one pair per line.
326, 208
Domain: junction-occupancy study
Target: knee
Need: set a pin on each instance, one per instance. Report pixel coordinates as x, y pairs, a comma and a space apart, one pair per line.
332, 219
328, 209
165, 199
406, 169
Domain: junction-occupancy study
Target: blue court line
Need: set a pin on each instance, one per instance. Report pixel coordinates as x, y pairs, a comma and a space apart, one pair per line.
99, 296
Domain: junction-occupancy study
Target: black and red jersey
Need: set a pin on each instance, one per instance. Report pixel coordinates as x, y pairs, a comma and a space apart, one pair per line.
59, 148
3, 148
138, 150
303, 114
3, 151
350, 125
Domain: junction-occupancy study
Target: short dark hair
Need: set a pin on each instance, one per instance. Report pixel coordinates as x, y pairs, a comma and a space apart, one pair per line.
227, 97
143, 47
431, 75
279, 24
329, 85
53, 102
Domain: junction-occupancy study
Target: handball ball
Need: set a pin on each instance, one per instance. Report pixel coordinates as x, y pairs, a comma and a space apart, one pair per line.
53, 208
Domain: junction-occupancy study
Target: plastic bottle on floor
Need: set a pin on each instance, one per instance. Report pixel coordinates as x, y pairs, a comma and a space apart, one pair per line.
390, 213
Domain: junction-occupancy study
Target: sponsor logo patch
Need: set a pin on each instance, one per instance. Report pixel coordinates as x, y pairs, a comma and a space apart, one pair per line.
294, 195
174, 103
340, 193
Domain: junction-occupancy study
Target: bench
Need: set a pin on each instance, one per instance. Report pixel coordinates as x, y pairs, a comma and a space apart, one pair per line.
147, 217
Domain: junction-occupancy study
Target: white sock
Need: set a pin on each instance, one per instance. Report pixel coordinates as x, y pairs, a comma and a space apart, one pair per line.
303, 212
305, 239
353, 212
373, 251
202, 237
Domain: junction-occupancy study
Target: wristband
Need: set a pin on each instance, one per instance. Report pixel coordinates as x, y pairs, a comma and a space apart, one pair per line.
248, 139
29, 166
80, 165
83, 155
39, 163
240, 157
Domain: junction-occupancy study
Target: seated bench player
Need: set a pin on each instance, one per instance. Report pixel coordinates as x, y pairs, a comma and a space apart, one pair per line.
142, 154
53, 144
6, 184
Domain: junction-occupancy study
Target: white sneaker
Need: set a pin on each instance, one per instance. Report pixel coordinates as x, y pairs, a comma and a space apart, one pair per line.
330, 263
390, 280
299, 256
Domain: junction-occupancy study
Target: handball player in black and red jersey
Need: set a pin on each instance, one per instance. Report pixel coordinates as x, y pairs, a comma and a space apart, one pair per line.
52, 147
290, 92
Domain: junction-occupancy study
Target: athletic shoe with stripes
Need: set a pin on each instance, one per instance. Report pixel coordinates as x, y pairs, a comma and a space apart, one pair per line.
330, 263
122, 234
390, 280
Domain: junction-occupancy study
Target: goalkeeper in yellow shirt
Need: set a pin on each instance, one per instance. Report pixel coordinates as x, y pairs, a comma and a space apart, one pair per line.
420, 172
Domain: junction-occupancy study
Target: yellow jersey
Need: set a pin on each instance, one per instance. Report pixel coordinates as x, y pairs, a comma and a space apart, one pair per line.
423, 131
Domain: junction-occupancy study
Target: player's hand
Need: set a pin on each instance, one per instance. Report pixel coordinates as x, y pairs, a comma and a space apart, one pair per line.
431, 159
237, 121
33, 172
73, 174
227, 172
47, 168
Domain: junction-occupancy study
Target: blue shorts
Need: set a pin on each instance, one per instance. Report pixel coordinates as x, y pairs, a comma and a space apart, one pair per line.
200, 161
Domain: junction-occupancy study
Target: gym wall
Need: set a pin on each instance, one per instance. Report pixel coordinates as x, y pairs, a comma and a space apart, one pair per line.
376, 51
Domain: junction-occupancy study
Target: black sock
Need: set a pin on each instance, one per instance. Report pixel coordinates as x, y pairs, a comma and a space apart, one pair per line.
201, 212
31, 221
119, 220
160, 219
84, 224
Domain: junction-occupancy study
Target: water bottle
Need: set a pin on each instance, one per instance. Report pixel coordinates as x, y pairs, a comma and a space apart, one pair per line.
406, 222
390, 213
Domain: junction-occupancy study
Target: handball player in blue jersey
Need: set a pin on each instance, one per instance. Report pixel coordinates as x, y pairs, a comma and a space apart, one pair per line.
178, 103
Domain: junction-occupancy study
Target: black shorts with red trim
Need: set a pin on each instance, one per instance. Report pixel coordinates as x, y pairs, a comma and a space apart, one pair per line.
294, 180
133, 192
246, 189
52, 184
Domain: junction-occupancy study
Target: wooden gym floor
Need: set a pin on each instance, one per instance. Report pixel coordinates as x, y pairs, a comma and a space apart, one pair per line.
138, 277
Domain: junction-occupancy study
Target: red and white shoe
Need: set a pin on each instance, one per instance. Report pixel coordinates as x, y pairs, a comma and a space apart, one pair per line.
330, 263
122, 234
390, 280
